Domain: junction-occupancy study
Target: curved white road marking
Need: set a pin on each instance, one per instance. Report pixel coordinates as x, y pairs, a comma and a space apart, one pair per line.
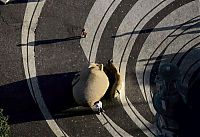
136, 14
175, 58
131, 21
108, 123
86, 44
149, 125
198, 4
96, 22
97, 19
147, 128
180, 41
156, 38
28, 35
94, 18
100, 30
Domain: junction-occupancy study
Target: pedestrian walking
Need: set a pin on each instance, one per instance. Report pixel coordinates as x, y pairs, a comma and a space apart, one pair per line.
98, 106
83, 33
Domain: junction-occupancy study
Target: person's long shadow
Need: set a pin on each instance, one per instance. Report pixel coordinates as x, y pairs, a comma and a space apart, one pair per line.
56, 90
49, 41
195, 23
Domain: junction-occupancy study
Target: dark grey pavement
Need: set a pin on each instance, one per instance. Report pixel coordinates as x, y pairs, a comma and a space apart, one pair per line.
158, 31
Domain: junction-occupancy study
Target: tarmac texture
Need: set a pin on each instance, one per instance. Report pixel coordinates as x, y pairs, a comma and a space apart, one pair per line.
41, 51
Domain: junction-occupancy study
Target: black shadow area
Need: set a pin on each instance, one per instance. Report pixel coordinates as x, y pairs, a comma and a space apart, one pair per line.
56, 90
49, 41
187, 115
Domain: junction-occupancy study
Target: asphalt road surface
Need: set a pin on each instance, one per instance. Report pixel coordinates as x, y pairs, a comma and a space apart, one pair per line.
41, 51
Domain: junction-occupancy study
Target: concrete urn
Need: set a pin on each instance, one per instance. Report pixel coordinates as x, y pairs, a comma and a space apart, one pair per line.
90, 85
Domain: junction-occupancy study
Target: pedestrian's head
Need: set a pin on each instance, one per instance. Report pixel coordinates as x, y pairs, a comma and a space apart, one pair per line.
83, 29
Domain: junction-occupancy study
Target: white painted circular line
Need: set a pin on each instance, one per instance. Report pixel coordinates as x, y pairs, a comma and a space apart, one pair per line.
179, 42
148, 124
109, 124
97, 19
152, 42
96, 13
131, 21
184, 48
198, 4
147, 48
149, 9
100, 29
135, 116
30, 21
174, 43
